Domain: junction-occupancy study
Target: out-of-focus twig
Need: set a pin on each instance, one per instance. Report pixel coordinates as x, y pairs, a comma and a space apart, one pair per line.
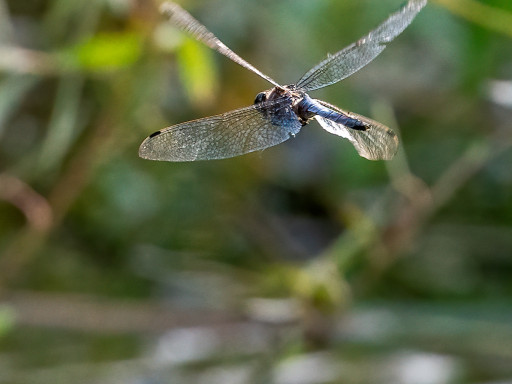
399, 235
466, 166
28, 241
86, 313
21, 60
419, 202
39, 215
34, 207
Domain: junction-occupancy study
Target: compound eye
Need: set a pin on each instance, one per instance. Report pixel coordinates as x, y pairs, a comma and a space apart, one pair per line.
260, 98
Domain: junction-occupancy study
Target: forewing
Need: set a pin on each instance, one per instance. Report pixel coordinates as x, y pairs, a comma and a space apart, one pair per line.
377, 142
230, 134
354, 57
187, 23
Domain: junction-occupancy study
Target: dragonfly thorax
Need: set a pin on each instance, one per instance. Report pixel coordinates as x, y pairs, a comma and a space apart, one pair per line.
294, 96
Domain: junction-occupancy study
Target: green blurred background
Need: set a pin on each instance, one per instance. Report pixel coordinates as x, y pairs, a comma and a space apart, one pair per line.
303, 263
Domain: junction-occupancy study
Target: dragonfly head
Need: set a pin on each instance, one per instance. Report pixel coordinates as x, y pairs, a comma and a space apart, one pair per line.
260, 98
272, 94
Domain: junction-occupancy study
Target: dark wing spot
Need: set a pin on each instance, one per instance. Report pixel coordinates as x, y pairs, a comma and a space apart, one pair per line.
155, 134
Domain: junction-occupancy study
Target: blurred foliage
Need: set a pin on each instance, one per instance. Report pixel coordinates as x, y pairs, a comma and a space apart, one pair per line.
301, 263
108, 51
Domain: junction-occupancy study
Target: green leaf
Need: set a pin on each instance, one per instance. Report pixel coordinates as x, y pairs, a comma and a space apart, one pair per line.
197, 71
104, 52
7, 319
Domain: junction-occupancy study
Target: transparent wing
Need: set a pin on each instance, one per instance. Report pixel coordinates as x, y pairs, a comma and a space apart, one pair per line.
186, 22
230, 134
354, 57
377, 142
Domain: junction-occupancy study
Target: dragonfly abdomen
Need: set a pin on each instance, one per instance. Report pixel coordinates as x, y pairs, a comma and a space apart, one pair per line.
311, 106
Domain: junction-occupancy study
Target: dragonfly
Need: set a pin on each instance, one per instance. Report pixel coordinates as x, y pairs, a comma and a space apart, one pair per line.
280, 112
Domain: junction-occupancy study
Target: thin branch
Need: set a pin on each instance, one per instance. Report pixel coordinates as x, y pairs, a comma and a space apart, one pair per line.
34, 207
87, 313
21, 60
